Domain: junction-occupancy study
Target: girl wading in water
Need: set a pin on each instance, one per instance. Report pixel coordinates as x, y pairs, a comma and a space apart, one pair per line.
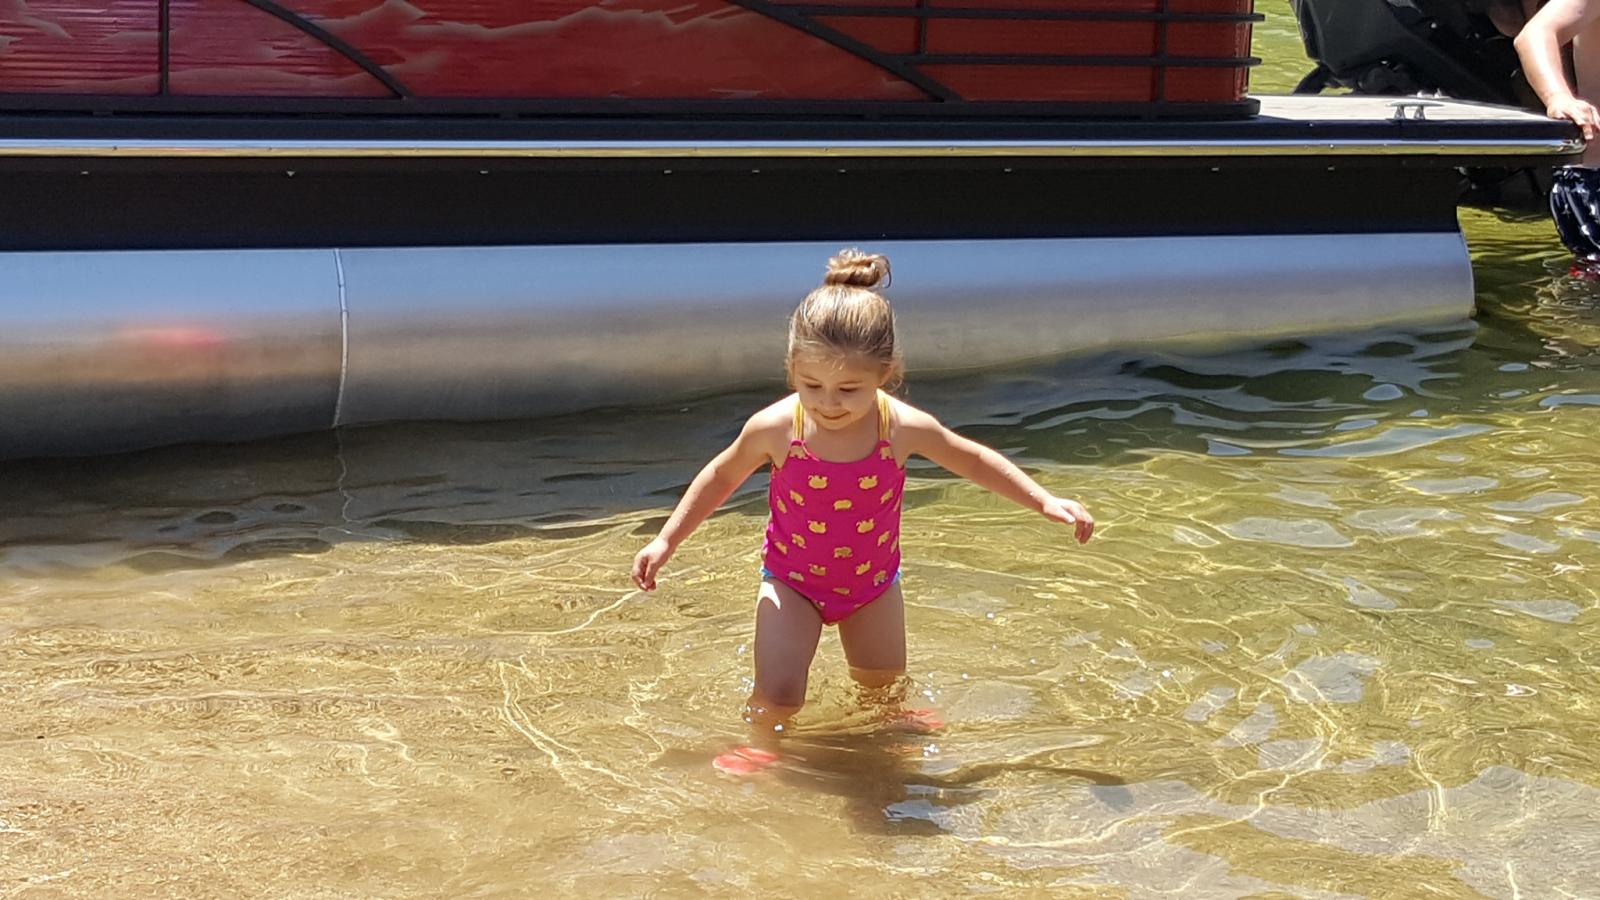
837, 447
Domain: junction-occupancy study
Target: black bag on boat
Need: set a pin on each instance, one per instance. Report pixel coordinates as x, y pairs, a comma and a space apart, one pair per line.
1454, 47
1575, 205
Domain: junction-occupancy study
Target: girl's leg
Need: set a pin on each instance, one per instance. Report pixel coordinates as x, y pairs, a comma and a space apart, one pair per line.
874, 639
787, 630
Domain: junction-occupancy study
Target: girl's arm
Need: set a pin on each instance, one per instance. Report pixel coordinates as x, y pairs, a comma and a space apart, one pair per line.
924, 435
1539, 46
709, 490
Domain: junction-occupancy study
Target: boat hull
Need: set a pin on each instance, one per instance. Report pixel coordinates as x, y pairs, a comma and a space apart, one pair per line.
109, 351
201, 279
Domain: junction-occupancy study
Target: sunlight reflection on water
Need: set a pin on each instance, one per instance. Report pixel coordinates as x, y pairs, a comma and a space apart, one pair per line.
1337, 637
418, 645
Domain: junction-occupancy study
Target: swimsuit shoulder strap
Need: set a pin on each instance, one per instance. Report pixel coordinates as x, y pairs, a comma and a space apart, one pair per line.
883, 416
799, 420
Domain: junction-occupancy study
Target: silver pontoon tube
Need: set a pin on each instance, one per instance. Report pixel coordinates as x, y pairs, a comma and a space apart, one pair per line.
114, 350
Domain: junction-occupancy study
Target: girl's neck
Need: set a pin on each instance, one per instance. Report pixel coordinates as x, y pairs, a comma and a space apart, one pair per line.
853, 442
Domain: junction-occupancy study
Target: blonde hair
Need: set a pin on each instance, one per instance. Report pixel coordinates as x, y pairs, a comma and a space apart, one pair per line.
847, 316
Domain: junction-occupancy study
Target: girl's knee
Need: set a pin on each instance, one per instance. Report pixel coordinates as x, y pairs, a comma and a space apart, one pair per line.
784, 695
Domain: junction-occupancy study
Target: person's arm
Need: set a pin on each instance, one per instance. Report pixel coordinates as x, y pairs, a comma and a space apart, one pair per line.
709, 490
925, 436
1539, 46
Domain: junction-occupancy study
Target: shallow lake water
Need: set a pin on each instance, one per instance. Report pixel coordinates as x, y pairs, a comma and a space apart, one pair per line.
1337, 637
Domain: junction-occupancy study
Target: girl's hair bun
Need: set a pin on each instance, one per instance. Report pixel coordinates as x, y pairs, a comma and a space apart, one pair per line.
857, 269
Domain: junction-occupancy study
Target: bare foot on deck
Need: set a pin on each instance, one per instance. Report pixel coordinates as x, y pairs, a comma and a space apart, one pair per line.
744, 761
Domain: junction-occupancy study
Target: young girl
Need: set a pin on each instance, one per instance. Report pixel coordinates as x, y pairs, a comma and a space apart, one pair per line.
838, 447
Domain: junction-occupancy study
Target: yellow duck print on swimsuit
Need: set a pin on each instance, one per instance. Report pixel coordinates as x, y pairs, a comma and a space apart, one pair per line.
867, 482
818, 482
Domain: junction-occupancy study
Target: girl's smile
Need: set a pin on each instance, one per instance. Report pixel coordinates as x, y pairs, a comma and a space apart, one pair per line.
837, 393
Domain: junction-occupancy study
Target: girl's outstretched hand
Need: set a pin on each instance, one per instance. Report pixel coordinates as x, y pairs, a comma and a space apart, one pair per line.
1070, 512
649, 561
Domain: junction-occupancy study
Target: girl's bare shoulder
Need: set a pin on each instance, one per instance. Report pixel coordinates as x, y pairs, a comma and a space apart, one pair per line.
910, 428
908, 419
770, 427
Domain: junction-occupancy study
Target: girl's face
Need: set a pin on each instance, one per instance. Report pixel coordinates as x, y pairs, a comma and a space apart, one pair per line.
837, 392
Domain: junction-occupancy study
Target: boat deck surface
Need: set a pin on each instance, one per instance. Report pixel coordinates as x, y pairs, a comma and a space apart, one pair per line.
1287, 126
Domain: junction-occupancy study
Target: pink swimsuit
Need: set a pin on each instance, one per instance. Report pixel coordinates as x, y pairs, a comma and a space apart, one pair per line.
834, 535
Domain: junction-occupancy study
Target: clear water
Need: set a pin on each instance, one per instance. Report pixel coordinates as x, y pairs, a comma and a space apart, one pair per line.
1337, 637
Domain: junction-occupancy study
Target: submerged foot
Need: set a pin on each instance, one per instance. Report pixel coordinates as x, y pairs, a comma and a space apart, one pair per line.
744, 761
915, 721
